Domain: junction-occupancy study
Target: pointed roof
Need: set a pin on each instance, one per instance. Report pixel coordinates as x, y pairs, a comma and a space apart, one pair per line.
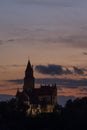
29, 64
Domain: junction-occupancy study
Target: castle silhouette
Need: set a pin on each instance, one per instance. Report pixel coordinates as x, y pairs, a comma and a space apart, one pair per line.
36, 100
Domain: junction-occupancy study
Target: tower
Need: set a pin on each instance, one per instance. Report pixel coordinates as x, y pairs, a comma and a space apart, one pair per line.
29, 78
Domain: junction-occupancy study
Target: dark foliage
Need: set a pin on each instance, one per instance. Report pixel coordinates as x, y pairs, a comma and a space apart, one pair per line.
72, 117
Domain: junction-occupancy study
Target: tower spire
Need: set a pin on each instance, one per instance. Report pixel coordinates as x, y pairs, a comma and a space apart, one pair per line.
28, 59
29, 78
28, 64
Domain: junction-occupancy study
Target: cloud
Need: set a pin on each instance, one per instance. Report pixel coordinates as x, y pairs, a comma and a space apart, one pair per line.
73, 83
10, 40
84, 53
17, 81
78, 70
4, 42
75, 40
64, 83
8, 66
53, 69
67, 71
61, 83
78, 40
15, 65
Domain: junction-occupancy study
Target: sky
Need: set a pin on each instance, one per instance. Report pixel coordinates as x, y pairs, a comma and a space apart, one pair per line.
53, 34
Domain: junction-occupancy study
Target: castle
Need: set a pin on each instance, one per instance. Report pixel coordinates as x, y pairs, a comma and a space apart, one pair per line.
36, 100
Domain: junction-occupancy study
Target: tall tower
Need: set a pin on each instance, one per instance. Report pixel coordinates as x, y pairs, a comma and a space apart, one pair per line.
29, 78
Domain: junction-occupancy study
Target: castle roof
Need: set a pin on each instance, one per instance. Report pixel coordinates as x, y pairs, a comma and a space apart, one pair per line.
42, 91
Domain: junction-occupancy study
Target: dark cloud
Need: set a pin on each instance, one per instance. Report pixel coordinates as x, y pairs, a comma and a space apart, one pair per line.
83, 93
84, 89
67, 71
84, 53
46, 80
10, 40
66, 83
9, 89
15, 65
72, 83
4, 42
52, 69
78, 71
17, 81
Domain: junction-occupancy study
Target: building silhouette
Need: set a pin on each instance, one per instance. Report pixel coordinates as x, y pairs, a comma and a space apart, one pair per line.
36, 100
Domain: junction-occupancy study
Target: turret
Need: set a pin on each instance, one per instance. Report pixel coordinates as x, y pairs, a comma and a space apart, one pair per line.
29, 78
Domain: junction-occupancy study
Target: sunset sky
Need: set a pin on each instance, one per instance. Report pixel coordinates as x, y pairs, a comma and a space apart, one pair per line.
53, 33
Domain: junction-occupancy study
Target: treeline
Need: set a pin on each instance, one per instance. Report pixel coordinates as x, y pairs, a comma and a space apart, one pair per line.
73, 116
